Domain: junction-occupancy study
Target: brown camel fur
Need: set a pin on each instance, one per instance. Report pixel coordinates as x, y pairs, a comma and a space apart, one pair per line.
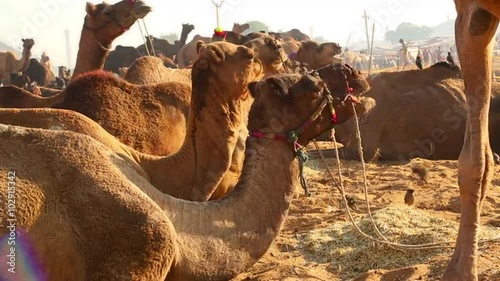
166, 238
475, 28
102, 25
121, 56
317, 55
290, 45
187, 54
240, 28
295, 34
236, 107
39, 72
431, 111
150, 70
270, 52
9, 64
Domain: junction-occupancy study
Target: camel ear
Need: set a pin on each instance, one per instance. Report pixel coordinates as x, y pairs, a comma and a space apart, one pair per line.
24, 40
199, 44
90, 9
252, 87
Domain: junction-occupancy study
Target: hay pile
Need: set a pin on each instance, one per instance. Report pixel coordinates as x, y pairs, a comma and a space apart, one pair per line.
350, 254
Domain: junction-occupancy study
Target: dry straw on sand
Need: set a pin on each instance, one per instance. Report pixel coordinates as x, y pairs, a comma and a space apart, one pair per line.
350, 254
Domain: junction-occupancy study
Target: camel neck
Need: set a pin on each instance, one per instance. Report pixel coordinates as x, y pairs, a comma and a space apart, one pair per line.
91, 53
195, 171
24, 62
220, 239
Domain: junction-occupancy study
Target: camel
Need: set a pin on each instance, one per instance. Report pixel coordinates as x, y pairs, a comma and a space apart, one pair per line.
150, 70
86, 184
102, 25
39, 73
9, 64
121, 56
240, 28
187, 54
162, 46
290, 45
475, 27
431, 111
205, 147
270, 52
317, 55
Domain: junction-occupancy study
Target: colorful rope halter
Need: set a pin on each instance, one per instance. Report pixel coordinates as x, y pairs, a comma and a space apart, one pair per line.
293, 136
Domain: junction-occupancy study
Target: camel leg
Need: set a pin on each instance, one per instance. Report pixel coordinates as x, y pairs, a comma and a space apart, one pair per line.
474, 31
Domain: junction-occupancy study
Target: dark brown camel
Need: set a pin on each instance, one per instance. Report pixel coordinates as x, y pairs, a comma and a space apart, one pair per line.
165, 48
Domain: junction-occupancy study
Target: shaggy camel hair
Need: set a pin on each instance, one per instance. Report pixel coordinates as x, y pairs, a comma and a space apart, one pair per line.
102, 25
9, 64
207, 151
150, 70
475, 28
138, 115
431, 111
86, 185
187, 54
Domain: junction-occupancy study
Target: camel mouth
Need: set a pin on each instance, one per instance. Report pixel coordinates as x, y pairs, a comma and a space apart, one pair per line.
141, 10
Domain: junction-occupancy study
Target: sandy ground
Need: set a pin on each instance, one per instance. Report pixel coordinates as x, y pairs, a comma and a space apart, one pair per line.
308, 249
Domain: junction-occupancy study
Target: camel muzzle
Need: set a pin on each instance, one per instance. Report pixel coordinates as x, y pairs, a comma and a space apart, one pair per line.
140, 9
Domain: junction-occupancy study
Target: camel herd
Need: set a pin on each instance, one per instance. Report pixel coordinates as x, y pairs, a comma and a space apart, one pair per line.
180, 165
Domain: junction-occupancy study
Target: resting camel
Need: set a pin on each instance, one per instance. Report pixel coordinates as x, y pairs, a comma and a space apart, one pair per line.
39, 72
316, 55
187, 54
475, 27
9, 64
431, 109
162, 46
150, 70
211, 137
86, 184
102, 25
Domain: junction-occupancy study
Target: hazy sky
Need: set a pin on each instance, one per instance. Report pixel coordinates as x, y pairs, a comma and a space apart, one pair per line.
46, 20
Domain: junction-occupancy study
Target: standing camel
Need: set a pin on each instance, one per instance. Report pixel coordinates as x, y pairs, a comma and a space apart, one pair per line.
9, 64
475, 26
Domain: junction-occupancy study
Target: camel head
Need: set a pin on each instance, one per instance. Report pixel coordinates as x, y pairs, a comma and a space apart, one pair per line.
28, 43
227, 67
287, 102
240, 28
343, 78
270, 52
110, 21
318, 55
187, 28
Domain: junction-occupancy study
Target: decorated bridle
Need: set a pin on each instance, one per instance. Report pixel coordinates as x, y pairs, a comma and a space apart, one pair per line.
113, 20
293, 135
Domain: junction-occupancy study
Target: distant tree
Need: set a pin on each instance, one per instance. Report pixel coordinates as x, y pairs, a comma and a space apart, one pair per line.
408, 31
171, 37
256, 26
